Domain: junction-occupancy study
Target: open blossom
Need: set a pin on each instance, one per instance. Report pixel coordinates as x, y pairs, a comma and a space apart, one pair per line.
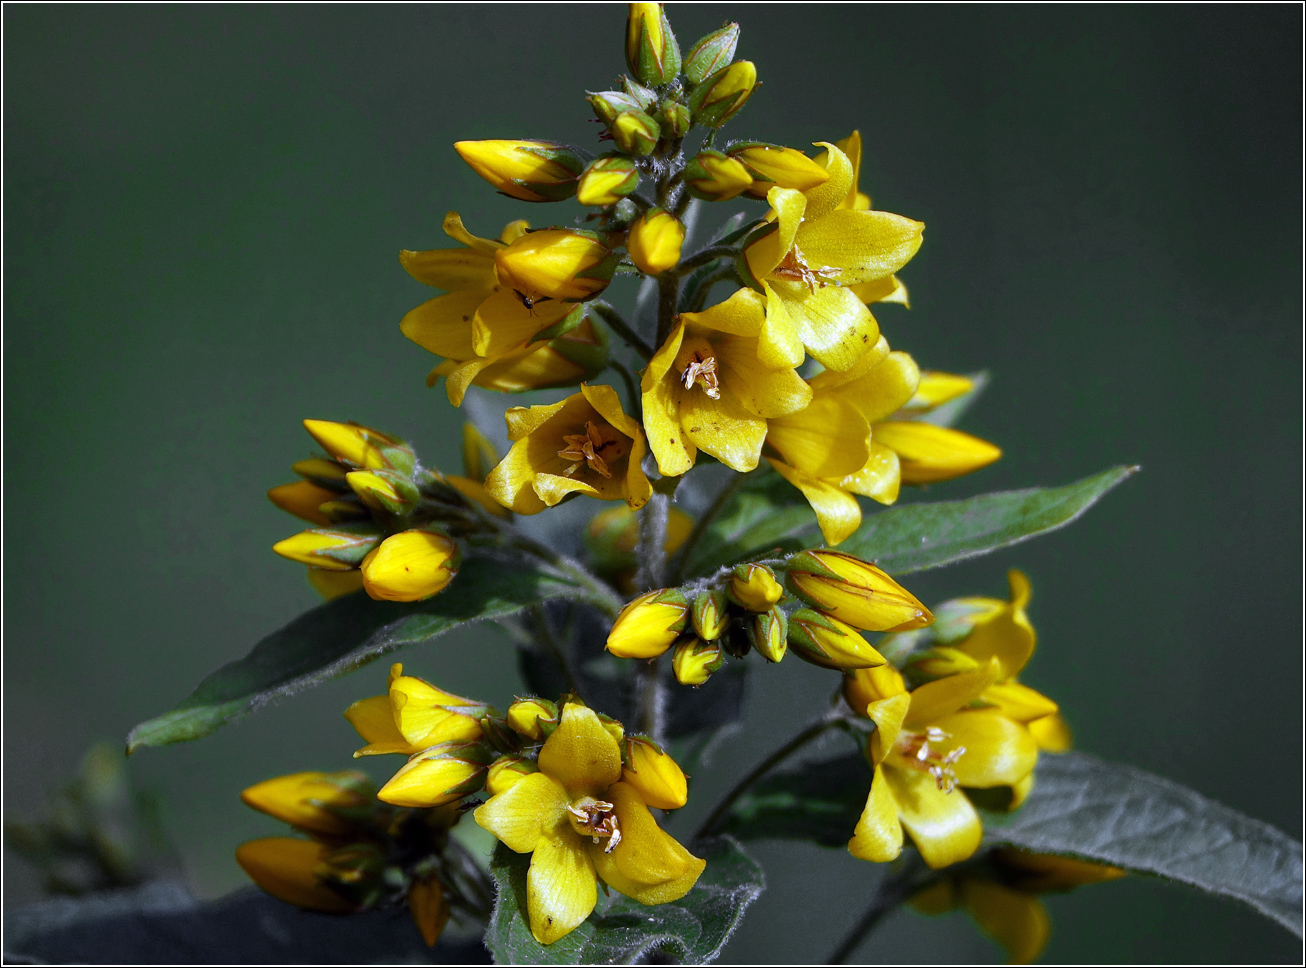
582, 818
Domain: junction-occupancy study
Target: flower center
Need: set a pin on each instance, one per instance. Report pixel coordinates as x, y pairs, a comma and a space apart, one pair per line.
702, 369
596, 819
795, 268
915, 749
595, 447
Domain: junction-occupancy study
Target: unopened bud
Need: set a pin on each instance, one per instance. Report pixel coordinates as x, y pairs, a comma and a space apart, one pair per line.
341, 509
608, 104
533, 171
533, 718
927, 453
721, 95
506, 771
710, 615
555, 264
652, 53
332, 584
695, 660
675, 120
303, 499
607, 180
384, 490
712, 53
649, 625
410, 566
855, 592
441, 774
654, 241
361, 446
773, 165
334, 804
429, 908
657, 777
635, 133
829, 643
754, 587
323, 472
337, 549
715, 177
769, 634
288, 868
612, 727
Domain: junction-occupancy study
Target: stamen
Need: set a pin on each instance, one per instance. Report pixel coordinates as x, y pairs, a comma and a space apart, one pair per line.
702, 370
596, 819
916, 751
795, 268
588, 448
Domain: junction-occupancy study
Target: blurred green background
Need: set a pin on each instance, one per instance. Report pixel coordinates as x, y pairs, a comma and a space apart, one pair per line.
203, 208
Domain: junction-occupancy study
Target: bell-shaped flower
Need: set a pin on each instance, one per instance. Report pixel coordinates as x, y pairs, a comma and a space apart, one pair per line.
926, 744
413, 715
581, 821
704, 388
585, 444
806, 262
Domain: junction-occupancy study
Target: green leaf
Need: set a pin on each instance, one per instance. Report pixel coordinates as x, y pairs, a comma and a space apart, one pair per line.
693, 930
340, 636
819, 801
1119, 815
762, 515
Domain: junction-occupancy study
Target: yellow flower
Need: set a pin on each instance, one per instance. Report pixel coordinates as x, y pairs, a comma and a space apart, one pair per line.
657, 778
855, 592
925, 744
555, 264
582, 445
410, 566
331, 804
649, 625
704, 388
533, 171
581, 821
655, 240
295, 871
412, 716
807, 261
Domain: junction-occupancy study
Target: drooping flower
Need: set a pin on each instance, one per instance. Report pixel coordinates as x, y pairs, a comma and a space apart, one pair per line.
581, 819
704, 389
585, 444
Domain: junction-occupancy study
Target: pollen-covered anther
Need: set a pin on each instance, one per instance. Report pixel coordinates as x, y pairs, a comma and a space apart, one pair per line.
916, 750
596, 819
589, 448
795, 268
702, 370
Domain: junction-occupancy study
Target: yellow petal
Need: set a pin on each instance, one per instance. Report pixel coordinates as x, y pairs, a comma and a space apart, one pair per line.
862, 246
648, 864
884, 388
778, 345
878, 834
1019, 702
869, 360
443, 325
418, 711
531, 808
561, 890
332, 584
581, 754
429, 908
1006, 634
837, 512
878, 479
888, 715
1051, 733
450, 269
673, 452
942, 697
1020, 791
284, 866
740, 315
825, 198
303, 499
724, 428
828, 438
374, 720
998, 751
832, 323
944, 826
761, 390
928, 453
502, 322
1017, 921
454, 228
655, 776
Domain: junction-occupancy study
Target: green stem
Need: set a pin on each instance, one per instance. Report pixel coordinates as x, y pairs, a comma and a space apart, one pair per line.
704, 522
618, 325
704, 256
811, 732
704, 286
633, 396
892, 891
650, 698
556, 648
601, 595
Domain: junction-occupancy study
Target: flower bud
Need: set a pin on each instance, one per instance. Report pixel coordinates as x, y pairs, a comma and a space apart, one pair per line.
710, 616
768, 634
533, 718
694, 660
652, 53
332, 584
861, 687
772, 165
754, 587
829, 643
649, 625
712, 52
429, 908
612, 727
715, 177
607, 180
927, 453
854, 591
442, 774
608, 104
323, 472
384, 490
657, 777
506, 771
410, 566
555, 264
533, 171
675, 120
303, 499
722, 94
333, 804
361, 446
654, 241
341, 509
635, 133
288, 869
426, 715
336, 549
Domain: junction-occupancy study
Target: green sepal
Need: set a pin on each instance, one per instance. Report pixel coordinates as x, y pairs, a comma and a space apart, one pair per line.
366, 536
608, 104
564, 325
711, 53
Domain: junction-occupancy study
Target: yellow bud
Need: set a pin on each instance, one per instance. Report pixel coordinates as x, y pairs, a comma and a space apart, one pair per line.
332, 584
607, 180
855, 592
321, 471
652, 53
333, 804
710, 615
754, 587
303, 499
533, 171
286, 867
612, 727
635, 132
533, 718
773, 165
506, 771
410, 566
769, 634
695, 660
353, 443
656, 776
927, 453
384, 490
442, 774
721, 95
861, 687
554, 264
654, 241
829, 643
335, 549
429, 908
714, 177
649, 625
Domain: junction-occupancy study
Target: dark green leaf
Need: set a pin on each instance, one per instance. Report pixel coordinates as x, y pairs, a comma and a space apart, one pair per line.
1118, 815
762, 515
915, 537
342, 635
819, 801
692, 930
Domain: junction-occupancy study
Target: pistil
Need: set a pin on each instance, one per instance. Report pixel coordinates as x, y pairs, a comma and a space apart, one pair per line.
702, 369
589, 448
596, 819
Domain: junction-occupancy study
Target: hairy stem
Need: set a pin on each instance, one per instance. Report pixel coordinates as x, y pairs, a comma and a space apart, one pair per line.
719, 504
557, 648
617, 323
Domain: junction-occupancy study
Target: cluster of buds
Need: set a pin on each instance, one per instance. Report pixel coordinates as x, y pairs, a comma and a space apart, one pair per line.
384, 523
825, 602
359, 853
